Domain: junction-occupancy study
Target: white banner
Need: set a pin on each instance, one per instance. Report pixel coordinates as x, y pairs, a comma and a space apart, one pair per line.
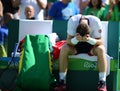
34, 27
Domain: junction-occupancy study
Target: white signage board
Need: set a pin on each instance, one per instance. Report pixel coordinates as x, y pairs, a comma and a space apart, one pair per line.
34, 27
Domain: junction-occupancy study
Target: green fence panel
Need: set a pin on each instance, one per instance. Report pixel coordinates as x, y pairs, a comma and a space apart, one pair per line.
12, 35
60, 27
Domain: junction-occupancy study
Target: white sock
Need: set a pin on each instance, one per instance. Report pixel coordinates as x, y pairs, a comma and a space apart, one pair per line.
62, 75
102, 76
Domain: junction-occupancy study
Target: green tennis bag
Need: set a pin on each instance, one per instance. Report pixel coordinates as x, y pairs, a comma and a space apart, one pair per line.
35, 64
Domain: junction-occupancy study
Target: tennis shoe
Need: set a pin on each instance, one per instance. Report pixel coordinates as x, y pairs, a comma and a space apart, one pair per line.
60, 86
102, 86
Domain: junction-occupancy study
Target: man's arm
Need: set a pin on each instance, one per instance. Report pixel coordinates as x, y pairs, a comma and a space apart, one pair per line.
1, 9
41, 4
69, 37
73, 40
99, 41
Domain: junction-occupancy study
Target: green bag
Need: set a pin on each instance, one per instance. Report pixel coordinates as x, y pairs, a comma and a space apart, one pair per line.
35, 64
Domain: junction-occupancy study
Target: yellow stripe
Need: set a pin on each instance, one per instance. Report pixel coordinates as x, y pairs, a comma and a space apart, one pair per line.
20, 62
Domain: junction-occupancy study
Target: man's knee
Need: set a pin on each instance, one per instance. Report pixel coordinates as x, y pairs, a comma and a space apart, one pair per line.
99, 49
66, 49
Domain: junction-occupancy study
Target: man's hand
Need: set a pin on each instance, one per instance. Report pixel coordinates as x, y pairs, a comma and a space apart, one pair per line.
82, 38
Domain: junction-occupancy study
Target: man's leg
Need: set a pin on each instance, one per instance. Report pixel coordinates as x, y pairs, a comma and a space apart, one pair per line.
63, 60
63, 64
100, 52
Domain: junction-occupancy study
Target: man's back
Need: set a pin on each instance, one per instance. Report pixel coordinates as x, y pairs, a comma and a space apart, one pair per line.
94, 24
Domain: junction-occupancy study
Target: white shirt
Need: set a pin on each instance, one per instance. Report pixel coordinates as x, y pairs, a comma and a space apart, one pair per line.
39, 13
94, 24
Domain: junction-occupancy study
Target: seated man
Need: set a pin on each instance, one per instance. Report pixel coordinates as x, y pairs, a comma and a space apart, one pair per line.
83, 36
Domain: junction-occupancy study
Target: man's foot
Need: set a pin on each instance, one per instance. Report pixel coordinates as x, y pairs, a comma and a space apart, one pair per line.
102, 86
60, 86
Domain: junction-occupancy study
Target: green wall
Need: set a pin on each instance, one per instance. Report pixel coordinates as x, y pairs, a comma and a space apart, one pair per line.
60, 27
113, 39
12, 35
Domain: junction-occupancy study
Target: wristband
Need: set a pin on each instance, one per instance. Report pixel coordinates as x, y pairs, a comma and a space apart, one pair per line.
92, 41
74, 41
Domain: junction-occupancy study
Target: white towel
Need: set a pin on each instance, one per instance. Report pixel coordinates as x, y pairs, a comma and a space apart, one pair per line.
93, 58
